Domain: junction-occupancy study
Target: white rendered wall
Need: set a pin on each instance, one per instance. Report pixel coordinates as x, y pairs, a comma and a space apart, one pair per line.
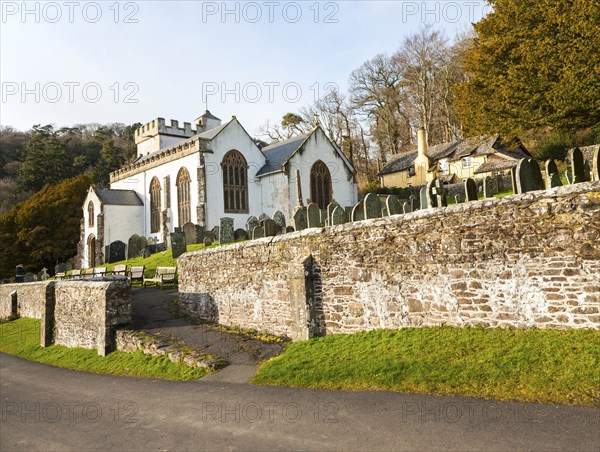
232, 137
121, 222
276, 194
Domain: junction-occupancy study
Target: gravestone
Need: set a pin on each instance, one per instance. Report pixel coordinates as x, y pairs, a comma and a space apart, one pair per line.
338, 216
299, 219
134, 248
552, 174
587, 171
513, 179
216, 232
189, 230
210, 236
226, 230
43, 275
577, 165
406, 208
441, 193
60, 268
529, 176
178, 245
240, 235
279, 219
330, 208
423, 198
412, 200
116, 252
348, 210
488, 187
372, 206
251, 223
289, 229
458, 199
29, 277
596, 165
313, 215
432, 199
358, 212
270, 228
258, 233
393, 205
470, 190
262, 217
207, 240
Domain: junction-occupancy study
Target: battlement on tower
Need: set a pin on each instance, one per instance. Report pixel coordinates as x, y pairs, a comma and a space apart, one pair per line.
159, 126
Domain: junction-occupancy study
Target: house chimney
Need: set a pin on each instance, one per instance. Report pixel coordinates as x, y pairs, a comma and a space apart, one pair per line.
422, 142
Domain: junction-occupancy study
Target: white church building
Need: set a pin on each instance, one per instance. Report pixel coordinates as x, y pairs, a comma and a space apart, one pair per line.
202, 173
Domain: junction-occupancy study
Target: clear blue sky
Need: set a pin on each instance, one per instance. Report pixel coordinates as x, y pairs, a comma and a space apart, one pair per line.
78, 62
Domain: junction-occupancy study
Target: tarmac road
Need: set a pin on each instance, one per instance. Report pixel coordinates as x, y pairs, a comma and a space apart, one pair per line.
47, 408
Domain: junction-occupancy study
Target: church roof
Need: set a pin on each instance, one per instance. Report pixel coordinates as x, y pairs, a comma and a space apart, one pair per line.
119, 197
279, 153
210, 134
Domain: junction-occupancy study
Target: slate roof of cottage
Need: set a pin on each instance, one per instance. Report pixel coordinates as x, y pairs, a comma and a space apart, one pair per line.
278, 153
119, 197
456, 150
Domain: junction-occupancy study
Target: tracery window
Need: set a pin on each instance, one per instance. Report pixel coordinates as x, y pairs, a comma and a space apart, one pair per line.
183, 197
235, 182
320, 185
155, 205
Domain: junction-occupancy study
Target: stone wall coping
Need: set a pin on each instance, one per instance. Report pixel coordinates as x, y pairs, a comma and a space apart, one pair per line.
456, 209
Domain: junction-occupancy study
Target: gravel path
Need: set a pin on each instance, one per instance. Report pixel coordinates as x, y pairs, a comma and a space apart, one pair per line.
151, 313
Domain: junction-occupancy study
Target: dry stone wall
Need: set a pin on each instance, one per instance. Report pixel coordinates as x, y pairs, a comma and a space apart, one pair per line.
530, 260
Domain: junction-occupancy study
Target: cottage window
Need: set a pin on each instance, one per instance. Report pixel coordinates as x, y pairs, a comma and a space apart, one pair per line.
91, 214
183, 197
411, 171
467, 162
320, 184
235, 182
154, 205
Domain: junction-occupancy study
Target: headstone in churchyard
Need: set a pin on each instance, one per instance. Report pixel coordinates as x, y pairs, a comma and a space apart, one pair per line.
441, 193
152, 240
577, 165
569, 176
262, 217
513, 179
393, 205
43, 275
488, 187
458, 199
587, 171
240, 235
289, 229
299, 219
432, 199
423, 198
215, 232
338, 216
189, 230
358, 212
596, 165
146, 252
270, 228
279, 219
470, 190
348, 210
529, 176
60, 268
116, 252
226, 230
258, 233
207, 240
406, 208
200, 231
211, 236
313, 215
552, 174
251, 223
332, 205
323, 216
161, 247
372, 206
133, 246
69, 266
29, 277
384, 210
412, 200
178, 245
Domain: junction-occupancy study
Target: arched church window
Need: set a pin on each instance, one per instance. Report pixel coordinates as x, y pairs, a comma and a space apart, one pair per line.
91, 214
235, 182
155, 205
320, 184
183, 197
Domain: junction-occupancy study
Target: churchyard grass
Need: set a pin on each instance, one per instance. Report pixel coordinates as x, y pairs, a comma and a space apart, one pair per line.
22, 338
532, 365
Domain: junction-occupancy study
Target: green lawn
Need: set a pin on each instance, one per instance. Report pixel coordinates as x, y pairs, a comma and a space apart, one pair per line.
527, 365
22, 337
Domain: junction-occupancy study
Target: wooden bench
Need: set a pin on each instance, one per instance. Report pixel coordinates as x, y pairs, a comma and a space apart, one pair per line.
98, 272
136, 274
60, 275
164, 275
75, 274
87, 272
120, 269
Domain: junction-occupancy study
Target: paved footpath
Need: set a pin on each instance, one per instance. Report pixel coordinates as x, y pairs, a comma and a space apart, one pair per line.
47, 408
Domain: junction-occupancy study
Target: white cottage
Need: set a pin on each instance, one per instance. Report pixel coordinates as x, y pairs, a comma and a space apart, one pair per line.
202, 174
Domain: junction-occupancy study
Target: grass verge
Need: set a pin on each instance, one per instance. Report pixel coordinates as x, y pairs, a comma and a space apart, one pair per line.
22, 338
526, 365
